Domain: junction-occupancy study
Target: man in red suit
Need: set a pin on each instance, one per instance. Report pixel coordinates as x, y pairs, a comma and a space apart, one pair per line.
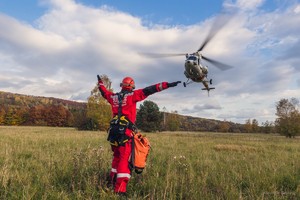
122, 126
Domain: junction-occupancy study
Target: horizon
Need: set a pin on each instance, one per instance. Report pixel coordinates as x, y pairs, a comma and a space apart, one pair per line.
57, 47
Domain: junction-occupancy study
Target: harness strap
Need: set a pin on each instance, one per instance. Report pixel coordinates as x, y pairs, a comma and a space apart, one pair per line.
124, 121
120, 98
118, 125
121, 117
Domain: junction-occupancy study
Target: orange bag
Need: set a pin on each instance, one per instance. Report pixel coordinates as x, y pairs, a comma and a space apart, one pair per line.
140, 151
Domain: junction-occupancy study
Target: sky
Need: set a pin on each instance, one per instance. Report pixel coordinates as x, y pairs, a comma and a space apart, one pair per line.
55, 48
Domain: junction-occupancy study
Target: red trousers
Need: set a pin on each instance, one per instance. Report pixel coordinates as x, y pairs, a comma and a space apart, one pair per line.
120, 166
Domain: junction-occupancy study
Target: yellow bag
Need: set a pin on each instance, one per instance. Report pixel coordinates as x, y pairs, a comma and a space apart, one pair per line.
140, 151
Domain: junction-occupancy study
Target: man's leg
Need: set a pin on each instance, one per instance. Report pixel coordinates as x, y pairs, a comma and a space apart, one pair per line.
114, 165
123, 171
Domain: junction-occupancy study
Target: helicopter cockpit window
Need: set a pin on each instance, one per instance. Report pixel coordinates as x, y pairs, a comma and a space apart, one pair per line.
192, 58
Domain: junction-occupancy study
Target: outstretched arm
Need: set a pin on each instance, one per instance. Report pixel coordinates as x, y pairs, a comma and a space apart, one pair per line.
104, 92
159, 87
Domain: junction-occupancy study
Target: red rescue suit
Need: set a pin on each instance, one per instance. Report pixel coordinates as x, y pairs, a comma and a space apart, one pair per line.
120, 163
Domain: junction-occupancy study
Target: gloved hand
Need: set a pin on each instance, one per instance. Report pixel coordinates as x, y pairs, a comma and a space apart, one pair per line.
173, 84
99, 80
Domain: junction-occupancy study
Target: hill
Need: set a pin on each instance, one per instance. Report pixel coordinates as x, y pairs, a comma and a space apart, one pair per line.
190, 123
21, 100
20, 109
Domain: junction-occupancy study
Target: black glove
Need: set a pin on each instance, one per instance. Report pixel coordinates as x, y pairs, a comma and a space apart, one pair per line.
99, 79
173, 84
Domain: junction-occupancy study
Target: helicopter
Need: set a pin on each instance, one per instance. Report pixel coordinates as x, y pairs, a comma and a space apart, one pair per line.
195, 70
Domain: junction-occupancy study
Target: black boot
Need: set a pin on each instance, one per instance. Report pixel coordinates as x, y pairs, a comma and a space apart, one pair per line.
123, 195
111, 182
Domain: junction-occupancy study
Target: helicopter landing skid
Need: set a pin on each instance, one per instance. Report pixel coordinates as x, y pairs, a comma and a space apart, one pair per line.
187, 82
210, 81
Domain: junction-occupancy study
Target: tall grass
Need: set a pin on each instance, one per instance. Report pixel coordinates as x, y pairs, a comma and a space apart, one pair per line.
63, 163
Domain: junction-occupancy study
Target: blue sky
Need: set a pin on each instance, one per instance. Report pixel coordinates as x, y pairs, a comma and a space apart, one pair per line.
172, 12
166, 12
56, 47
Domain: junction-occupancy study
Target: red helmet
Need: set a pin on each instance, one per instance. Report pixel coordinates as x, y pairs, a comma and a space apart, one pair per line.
127, 84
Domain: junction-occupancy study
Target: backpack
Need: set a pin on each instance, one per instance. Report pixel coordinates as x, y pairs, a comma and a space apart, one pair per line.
139, 153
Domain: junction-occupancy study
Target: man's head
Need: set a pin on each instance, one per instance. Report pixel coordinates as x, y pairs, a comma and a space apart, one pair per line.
127, 84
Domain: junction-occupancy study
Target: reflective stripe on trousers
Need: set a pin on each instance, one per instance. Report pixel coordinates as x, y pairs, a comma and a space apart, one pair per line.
123, 175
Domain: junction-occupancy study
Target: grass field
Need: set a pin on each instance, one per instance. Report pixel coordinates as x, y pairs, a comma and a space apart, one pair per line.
63, 163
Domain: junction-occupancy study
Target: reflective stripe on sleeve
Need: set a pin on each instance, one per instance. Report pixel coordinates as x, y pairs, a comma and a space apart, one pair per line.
123, 175
160, 87
113, 170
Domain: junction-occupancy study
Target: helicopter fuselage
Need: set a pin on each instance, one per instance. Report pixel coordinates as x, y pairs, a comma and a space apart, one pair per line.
194, 70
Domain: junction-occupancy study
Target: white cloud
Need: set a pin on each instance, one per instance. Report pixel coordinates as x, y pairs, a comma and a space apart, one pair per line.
244, 5
61, 54
249, 5
297, 9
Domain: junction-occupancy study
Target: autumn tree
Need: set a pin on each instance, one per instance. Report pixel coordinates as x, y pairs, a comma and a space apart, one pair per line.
98, 109
223, 127
288, 121
2, 115
148, 117
37, 116
248, 126
57, 115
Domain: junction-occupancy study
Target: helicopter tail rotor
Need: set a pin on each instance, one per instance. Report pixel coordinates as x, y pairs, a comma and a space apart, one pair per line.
208, 89
212, 88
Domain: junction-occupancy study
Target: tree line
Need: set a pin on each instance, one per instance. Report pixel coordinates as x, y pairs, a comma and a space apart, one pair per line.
96, 114
16, 109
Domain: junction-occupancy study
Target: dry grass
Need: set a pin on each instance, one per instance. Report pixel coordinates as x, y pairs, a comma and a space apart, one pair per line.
63, 163
232, 147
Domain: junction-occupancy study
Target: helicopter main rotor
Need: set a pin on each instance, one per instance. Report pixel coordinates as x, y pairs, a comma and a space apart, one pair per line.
219, 65
218, 24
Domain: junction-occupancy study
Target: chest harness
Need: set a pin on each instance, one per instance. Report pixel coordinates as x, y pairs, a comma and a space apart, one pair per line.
119, 124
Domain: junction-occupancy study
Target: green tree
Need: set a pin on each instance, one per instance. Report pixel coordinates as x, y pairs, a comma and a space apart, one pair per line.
148, 117
82, 122
255, 126
14, 116
288, 121
267, 127
9, 117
